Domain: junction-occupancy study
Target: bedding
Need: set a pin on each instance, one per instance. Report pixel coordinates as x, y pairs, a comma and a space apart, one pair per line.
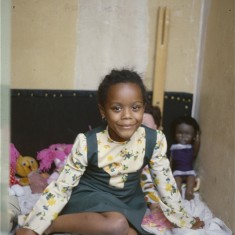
196, 207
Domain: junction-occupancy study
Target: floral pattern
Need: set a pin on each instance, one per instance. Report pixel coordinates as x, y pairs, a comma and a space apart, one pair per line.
118, 160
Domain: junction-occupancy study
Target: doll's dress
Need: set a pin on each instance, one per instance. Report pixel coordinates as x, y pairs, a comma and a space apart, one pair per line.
182, 159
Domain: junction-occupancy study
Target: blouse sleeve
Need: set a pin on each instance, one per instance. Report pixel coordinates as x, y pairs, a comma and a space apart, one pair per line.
170, 198
57, 194
148, 187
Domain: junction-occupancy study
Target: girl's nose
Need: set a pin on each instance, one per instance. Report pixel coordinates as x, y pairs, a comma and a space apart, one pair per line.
126, 112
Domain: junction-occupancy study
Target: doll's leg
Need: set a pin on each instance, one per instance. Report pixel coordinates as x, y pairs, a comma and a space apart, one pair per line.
190, 183
178, 180
92, 223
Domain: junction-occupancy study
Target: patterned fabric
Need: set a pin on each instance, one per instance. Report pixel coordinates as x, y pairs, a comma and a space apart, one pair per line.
119, 160
156, 221
148, 187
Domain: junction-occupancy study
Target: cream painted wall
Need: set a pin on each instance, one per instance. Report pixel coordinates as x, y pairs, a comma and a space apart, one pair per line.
183, 45
216, 113
43, 43
123, 33
72, 43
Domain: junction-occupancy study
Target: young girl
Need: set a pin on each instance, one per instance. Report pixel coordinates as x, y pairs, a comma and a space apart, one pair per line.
98, 191
186, 134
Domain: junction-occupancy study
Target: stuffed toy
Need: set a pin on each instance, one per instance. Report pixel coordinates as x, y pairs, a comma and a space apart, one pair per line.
15, 188
55, 154
24, 166
28, 173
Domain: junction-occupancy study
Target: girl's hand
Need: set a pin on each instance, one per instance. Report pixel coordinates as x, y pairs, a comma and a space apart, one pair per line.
198, 224
24, 231
153, 207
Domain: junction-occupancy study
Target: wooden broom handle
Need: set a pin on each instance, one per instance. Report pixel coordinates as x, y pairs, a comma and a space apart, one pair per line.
160, 57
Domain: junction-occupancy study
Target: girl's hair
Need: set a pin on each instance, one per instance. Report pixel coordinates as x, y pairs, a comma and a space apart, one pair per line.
119, 76
187, 120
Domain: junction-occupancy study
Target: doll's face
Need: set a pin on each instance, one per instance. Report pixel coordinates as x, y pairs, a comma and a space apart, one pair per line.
184, 134
123, 110
149, 121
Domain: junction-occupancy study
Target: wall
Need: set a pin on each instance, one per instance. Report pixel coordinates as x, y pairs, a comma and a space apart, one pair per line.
73, 43
4, 114
43, 43
216, 113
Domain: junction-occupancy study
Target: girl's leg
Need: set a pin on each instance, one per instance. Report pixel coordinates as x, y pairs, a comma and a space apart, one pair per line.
92, 223
190, 183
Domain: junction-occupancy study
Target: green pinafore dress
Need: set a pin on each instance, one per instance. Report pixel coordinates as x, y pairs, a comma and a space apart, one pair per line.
95, 194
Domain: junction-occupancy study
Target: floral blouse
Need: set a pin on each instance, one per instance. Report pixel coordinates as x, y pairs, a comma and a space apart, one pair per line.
110, 153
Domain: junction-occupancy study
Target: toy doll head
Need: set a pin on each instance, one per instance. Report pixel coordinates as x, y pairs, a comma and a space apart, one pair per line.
25, 165
54, 154
152, 116
184, 130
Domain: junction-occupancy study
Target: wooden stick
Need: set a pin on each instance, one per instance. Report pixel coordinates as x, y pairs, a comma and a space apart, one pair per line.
160, 57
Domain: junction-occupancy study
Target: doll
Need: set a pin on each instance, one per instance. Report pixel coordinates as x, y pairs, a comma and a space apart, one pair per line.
56, 154
186, 135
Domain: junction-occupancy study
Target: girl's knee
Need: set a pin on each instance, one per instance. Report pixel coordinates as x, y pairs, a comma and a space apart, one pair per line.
119, 226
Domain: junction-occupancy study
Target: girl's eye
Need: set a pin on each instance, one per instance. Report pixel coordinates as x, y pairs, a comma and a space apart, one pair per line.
136, 107
117, 108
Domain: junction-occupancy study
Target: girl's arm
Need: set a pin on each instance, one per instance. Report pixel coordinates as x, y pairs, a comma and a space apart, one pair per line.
148, 187
57, 194
171, 201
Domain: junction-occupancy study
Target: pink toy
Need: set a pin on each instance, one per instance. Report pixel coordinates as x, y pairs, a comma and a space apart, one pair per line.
15, 188
57, 154
14, 154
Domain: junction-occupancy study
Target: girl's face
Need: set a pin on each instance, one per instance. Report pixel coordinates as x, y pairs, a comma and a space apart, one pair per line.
123, 110
184, 134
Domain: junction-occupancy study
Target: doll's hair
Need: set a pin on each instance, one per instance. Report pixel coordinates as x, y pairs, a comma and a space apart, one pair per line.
187, 120
155, 112
119, 76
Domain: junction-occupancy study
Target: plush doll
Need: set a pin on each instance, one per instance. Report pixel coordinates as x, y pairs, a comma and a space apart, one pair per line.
15, 188
24, 166
55, 154
28, 173
24, 172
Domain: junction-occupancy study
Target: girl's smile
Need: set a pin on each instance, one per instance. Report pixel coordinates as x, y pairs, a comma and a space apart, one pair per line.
123, 110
